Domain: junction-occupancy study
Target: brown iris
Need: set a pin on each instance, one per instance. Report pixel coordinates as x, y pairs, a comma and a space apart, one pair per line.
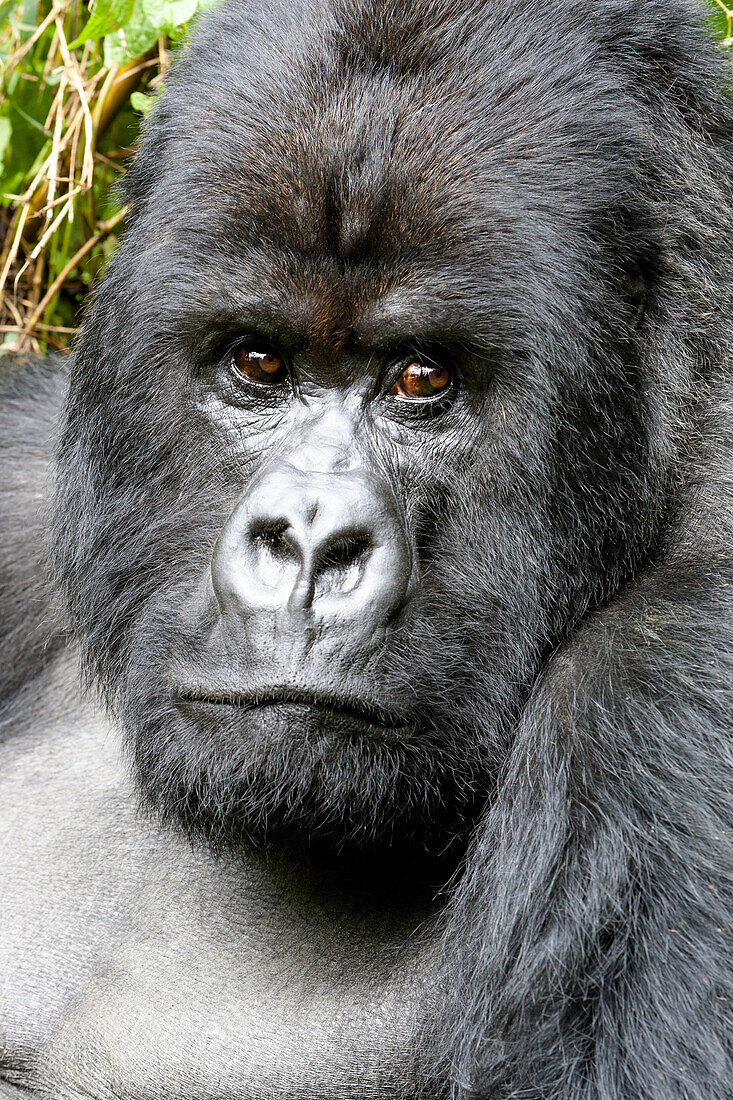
419, 381
259, 364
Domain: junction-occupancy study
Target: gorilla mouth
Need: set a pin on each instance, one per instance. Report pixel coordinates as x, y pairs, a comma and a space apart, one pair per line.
363, 712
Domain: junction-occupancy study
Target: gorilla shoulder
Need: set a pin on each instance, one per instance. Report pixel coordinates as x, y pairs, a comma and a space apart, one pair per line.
31, 398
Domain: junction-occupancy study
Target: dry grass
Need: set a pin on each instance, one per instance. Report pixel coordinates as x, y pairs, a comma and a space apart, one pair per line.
58, 229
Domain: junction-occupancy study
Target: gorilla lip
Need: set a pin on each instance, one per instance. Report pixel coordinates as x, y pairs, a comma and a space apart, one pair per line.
364, 711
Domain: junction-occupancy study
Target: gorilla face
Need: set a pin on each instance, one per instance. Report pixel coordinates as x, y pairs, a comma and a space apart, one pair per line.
311, 671
355, 434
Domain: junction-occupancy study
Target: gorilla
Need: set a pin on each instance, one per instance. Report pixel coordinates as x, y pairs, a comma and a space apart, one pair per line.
367, 645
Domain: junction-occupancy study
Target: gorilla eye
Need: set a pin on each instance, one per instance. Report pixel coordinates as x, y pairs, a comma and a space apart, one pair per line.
259, 364
421, 382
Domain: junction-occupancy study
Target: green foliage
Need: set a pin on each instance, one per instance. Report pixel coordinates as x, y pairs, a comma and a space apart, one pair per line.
721, 18
74, 86
107, 17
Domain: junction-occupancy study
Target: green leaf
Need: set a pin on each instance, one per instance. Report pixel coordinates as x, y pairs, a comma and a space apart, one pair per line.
133, 40
142, 102
149, 21
5, 131
169, 14
718, 21
108, 16
5, 9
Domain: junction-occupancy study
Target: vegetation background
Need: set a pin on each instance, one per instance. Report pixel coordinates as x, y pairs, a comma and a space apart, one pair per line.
75, 83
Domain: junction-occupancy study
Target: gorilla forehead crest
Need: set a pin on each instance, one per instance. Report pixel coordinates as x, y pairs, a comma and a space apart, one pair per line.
339, 172
354, 157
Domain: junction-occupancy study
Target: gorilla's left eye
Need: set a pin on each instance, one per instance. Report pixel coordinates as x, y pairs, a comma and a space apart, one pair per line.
259, 364
422, 381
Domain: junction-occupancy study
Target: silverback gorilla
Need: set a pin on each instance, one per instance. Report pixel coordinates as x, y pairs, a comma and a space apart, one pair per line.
391, 529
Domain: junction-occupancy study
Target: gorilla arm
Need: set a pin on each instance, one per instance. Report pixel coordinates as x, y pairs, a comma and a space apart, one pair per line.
590, 926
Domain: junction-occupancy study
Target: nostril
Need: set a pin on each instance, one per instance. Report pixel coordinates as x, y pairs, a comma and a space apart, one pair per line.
344, 551
275, 536
325, 548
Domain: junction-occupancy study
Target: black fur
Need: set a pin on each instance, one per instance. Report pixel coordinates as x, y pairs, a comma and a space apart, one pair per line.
550, 187
31, 396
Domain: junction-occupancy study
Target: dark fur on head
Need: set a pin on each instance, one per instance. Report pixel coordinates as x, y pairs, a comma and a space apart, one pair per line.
557, 181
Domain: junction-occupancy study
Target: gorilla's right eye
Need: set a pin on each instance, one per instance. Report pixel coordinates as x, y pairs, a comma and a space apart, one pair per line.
260, 364
422, 381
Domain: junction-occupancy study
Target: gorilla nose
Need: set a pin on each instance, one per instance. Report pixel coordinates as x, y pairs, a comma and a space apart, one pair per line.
331, 544
321, 557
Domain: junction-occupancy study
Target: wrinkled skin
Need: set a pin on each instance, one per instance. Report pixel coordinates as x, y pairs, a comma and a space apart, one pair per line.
393, 517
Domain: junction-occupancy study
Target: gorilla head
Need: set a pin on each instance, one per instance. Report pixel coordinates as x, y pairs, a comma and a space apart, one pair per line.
383, 392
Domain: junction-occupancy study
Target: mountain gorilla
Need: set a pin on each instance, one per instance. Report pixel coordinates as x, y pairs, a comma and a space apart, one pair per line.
393, 521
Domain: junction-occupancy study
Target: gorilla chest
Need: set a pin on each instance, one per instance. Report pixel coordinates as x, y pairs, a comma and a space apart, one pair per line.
133, 967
